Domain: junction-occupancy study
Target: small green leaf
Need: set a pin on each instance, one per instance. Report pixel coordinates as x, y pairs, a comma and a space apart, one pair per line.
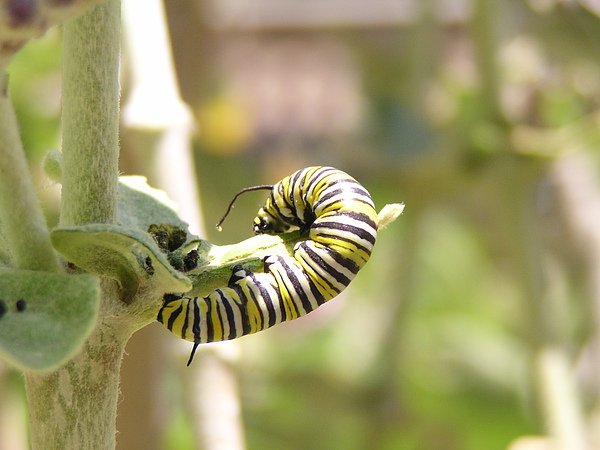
45, 317
127, 255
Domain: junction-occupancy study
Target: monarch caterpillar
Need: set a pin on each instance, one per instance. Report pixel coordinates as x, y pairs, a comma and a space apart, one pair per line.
336, 215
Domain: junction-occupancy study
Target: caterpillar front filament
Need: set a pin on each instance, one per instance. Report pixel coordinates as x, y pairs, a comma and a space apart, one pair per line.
335, 214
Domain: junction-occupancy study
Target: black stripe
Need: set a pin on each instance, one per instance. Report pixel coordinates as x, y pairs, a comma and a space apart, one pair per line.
362, 217
309, 213
319, 176
313, 288
302, 185
220, 315
167, 300
230, 318
291, 294
264, 293
293, 186
173, 316
253, 298
273, 209
343, 239
196, 325
297, 190
342, 261
186, 322
210, 328
280, 300
299, 291
359, 232
159, 316
317, 259
310, 263
281, 188
243, 310
347, 191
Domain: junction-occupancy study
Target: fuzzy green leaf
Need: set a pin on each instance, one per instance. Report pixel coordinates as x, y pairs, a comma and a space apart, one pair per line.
140, 206
45, 317
127, 255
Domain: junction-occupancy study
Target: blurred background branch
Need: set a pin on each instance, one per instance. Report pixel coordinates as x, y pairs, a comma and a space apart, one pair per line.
159, 129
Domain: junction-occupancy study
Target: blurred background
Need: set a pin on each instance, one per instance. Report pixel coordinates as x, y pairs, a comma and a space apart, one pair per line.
474, 325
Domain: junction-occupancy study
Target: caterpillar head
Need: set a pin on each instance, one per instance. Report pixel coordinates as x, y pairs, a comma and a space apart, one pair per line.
265, 223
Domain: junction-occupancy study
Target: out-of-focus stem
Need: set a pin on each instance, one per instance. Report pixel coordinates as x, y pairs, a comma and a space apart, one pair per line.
485, 41
560, 400
160, 118
21, 219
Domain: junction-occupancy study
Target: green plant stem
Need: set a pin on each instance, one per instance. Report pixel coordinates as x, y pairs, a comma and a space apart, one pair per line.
90, 117
75, 407
21, 219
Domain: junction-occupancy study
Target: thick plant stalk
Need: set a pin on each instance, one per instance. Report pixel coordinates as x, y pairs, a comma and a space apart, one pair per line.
90, 117
75, 407
21, 219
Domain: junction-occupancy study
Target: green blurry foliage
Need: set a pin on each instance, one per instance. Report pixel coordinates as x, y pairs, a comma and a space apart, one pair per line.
431, 345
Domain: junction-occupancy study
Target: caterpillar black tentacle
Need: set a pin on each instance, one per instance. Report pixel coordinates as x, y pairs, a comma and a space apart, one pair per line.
339, 220
235, 197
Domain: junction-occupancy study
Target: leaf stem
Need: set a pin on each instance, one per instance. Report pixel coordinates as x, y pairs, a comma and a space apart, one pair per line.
21, 219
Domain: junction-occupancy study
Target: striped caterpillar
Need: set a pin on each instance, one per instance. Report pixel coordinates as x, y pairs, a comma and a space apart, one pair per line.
337, 217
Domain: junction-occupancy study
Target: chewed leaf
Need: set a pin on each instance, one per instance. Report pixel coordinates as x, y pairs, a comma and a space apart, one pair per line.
45, 317
140, 206
127, 255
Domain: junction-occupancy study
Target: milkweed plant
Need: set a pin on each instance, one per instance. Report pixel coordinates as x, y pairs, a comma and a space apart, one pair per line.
71, 297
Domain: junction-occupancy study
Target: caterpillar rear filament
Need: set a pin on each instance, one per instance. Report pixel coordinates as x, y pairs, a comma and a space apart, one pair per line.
338, 218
